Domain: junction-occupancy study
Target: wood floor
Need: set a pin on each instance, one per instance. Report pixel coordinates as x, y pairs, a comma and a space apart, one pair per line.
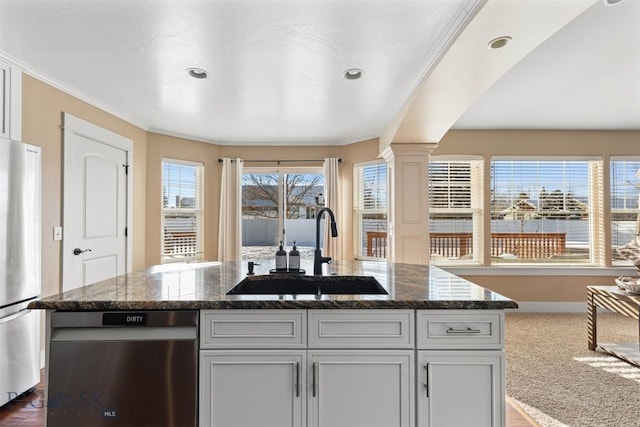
29, 411
517, 417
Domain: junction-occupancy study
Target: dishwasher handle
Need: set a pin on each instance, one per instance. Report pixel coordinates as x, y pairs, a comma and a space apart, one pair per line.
173, 333
126, 319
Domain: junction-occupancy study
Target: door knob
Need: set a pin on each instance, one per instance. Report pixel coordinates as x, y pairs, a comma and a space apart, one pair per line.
78, 251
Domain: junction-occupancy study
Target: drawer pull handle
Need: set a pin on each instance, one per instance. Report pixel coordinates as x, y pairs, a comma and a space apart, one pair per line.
463, 331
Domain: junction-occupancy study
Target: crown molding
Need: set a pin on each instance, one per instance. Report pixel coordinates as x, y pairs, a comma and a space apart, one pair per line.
27, 69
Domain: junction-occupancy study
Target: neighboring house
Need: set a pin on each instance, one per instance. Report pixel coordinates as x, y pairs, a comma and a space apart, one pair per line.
520, 210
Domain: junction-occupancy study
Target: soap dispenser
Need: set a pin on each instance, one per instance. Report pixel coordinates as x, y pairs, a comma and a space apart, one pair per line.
294, 258
281, 259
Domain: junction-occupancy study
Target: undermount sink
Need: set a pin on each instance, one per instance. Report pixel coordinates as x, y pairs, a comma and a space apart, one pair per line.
288, 284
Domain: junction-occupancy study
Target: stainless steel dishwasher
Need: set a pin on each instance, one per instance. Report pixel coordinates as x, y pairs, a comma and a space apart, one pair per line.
123, 369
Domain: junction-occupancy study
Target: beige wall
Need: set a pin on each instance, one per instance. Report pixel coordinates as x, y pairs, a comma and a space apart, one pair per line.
42, 108
539, 143
542, 288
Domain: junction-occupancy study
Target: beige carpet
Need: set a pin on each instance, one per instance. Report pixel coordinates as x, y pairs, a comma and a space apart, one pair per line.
560, 382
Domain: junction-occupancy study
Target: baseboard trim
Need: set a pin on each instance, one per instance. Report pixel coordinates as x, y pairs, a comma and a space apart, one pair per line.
551, 307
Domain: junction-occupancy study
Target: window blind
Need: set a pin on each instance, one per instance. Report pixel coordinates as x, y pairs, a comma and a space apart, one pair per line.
455, 211
625, 204
182, 210
541, 211
370, 210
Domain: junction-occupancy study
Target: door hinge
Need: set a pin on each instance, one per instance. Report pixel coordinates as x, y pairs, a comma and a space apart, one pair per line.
126, 169
126, 231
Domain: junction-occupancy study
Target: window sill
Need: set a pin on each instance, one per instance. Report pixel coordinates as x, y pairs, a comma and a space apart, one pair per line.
542, 270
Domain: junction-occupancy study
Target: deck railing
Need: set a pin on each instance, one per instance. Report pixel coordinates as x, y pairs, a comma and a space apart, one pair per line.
451, 245
180, 243
529, 245
377, 244
457, 245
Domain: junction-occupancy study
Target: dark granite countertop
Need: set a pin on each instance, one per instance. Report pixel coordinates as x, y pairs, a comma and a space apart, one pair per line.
204, 286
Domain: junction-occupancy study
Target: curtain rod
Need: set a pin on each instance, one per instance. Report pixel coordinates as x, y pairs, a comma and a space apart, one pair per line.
281, 161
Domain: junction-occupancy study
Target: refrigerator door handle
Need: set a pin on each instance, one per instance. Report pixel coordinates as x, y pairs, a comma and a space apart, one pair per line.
15, 316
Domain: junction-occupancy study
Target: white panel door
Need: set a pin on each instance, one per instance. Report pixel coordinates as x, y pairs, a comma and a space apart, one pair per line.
95, 210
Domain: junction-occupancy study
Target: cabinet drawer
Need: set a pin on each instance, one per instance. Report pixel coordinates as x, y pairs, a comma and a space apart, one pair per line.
460, 329
253, 329
361, 328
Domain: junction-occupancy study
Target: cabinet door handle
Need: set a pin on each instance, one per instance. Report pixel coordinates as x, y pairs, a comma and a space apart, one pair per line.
314, 378
463, 331
297, 374
426, 379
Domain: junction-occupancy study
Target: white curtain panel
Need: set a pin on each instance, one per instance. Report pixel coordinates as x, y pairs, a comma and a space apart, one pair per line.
230, 232
331, 196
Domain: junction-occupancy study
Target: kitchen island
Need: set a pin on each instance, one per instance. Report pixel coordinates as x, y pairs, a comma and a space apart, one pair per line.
204, 286
431, 352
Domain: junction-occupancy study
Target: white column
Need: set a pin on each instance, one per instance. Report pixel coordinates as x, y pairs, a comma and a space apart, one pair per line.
408, 228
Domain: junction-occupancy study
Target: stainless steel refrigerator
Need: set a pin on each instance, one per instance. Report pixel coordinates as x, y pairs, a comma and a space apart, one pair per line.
20, 277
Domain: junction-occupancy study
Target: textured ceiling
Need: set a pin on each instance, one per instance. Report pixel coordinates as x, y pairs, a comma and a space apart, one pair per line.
276, 67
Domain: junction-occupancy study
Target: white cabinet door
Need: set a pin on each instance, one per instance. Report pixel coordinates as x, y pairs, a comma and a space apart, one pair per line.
361, 388
252, 388
461, 388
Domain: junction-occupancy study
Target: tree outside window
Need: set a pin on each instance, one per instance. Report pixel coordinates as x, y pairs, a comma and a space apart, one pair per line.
280, 206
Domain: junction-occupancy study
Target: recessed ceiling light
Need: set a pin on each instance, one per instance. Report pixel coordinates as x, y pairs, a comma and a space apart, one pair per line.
197, 73
612, 2
353, 74
499, 42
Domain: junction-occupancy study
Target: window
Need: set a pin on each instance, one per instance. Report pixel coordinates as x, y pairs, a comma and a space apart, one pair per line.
280, 205
625, 209
541, 211
455, 211
370, 206
182, 210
